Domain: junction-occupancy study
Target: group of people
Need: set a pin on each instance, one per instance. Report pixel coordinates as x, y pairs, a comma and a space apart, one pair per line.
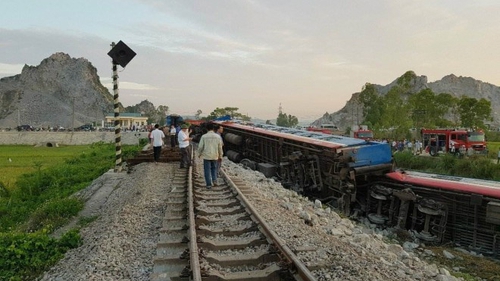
209, 148
177, 136
414, 146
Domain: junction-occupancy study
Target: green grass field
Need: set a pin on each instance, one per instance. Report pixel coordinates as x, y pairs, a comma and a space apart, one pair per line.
27, 159
493, 148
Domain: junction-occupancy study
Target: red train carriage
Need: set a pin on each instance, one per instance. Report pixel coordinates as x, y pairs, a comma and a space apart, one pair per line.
445, 208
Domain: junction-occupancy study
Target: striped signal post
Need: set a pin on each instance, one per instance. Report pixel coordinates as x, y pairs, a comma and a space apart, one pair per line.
122, 55
118, 136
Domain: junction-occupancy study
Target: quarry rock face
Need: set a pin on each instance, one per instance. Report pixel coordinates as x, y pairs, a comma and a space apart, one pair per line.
61, 91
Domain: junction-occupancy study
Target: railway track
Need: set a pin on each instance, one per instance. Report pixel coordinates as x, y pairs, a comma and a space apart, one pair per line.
168, 154
215, 234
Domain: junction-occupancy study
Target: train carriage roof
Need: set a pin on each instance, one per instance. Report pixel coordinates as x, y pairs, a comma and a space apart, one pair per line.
451, 183
317, 138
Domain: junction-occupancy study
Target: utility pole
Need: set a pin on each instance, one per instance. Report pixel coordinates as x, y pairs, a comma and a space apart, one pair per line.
73, 116
18, 109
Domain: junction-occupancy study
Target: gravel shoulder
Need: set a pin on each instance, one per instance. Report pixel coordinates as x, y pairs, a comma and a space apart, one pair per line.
121, 242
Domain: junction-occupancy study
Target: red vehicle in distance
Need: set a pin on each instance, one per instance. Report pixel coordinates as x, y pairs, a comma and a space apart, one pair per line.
361, 132
453, 141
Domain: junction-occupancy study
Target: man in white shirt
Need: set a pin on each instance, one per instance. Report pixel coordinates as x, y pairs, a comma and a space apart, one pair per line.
173, 133
184, 139
157, 137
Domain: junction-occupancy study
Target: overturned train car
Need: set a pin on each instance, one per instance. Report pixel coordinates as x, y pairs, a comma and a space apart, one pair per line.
359, 176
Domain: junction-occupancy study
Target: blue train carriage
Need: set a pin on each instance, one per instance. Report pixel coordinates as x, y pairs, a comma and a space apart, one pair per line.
173, 119
325, 165
360, 164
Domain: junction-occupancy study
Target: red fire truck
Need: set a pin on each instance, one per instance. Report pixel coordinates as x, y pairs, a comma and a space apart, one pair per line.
453, 141
361, 132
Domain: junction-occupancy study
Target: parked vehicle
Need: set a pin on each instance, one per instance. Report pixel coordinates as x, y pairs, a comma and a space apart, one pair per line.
86, 128
25, 128
361, 132
453, 141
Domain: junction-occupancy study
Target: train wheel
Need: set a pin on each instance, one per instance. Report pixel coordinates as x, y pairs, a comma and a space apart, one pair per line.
249, 164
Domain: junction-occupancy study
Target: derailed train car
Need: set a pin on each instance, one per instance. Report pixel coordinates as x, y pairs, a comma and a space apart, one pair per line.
358, 176
326, 166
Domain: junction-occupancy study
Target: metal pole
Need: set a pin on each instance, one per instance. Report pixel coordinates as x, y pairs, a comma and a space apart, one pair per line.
73, 116
118, 161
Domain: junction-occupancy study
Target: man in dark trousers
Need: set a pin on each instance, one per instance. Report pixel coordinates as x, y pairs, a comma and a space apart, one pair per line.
210, 150
184, 140
173, 136
157, 137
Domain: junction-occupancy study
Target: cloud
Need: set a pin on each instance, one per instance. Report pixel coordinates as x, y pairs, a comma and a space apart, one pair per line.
108, 83
10, 69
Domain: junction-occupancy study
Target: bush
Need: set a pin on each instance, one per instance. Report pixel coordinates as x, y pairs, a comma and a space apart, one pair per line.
53, 214
447, 164
478, 167
23, 256
406, 160
3, 190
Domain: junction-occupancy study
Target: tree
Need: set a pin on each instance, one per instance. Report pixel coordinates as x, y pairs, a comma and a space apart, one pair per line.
446, 105
405, 81
198, 113
161, 114
285, 120
372, 104
429, 110
231, 111
474, 112
395, 112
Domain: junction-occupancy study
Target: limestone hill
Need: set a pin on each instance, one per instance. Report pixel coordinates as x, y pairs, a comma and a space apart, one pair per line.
61, 91
351, 113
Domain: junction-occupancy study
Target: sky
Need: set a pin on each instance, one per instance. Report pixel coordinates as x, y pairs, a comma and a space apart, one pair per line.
307, 57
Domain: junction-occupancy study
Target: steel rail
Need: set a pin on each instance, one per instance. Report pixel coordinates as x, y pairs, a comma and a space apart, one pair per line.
193, 245
303, 272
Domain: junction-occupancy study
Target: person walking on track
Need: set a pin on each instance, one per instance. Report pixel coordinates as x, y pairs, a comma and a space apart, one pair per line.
184, 139
210, 150
173, 132
157, 137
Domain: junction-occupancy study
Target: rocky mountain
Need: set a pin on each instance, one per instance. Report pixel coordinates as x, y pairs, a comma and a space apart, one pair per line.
147, 108
351, 113
61, 91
